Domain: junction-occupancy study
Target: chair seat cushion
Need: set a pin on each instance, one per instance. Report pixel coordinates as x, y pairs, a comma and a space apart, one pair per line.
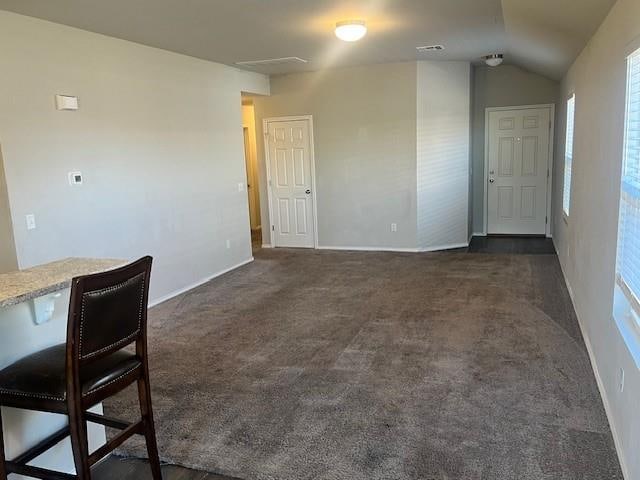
41, 375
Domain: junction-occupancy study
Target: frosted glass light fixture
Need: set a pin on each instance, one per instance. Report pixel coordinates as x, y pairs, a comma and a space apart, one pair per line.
351, 30
493, 60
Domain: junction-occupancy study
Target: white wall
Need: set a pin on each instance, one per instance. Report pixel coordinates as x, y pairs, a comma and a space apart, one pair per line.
587, 243
157, 138
504, 86
8, 260
365, 136
443, 126
391, 146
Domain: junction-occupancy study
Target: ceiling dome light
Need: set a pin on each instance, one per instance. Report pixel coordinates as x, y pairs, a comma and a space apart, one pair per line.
493, 60
351, 30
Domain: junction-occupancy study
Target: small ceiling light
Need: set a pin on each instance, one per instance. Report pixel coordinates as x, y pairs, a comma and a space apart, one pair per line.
351, 30
430, 48
493, 60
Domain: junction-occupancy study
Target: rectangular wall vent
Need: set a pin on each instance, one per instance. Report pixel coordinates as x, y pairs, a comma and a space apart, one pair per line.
272, 61
430, 48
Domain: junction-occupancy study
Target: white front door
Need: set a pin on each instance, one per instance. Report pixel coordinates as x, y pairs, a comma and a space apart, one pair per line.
518, 164
290, 183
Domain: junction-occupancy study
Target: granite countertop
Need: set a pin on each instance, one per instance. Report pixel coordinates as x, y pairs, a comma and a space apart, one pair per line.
22, 285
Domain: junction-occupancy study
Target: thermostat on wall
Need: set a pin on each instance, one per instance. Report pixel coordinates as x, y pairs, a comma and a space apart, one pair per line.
75, 178
66, 102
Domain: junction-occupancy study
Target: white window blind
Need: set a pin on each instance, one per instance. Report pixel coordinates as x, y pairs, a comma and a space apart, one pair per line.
628, 265
568, 155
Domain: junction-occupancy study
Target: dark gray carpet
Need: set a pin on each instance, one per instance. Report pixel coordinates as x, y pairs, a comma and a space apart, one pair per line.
343, 365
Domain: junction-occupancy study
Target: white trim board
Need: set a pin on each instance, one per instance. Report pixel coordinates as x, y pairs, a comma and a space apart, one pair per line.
180, 291
521, 107
594, 366
442, 248
552, 117
368, 249
438, 248
265, 139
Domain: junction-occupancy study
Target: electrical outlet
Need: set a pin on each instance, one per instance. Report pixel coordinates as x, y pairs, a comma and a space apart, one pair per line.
241, 187
394, 227
31, 221
621, 380
228, 243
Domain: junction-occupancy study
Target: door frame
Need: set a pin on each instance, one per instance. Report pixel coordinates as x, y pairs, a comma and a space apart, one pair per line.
250, 175
552, 118
265, 131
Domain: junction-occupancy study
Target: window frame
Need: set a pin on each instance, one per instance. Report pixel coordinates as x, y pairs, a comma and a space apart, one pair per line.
626, 303
566, 192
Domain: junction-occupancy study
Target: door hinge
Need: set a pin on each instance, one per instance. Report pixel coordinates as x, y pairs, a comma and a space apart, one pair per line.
547, 173
273, 228
546, 220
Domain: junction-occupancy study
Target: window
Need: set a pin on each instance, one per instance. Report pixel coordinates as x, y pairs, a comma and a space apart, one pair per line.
628, 264
568, 155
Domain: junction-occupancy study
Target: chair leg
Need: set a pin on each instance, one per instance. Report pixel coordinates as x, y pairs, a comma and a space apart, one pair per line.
3, 467
144, 395
79, 442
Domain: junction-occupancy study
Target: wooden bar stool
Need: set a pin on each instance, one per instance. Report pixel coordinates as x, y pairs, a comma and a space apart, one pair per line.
107, 312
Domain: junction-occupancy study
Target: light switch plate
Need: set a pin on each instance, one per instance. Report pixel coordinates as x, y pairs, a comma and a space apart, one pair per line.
31, 221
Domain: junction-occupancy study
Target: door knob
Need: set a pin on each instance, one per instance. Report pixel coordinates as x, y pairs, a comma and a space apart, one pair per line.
307, 191
491, 180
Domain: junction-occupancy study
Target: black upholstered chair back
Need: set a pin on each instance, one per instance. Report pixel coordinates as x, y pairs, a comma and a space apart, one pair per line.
108, 311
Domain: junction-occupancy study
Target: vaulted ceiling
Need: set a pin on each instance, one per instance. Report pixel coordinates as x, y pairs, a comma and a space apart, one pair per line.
543, 36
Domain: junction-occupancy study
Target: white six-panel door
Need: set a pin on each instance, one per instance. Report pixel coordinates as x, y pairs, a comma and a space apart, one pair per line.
291, 183
518, 163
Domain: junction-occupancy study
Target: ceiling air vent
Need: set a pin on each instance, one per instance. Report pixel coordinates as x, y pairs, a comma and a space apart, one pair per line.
272, 61
430, 48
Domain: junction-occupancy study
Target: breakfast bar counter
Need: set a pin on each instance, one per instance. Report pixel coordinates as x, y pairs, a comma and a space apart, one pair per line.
34, 305
24, 285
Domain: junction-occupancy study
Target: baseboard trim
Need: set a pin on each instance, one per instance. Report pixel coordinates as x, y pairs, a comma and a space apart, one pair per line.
180, 291
440, 248
594, 366
369, 249
479, 234
397, 249
267, 245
